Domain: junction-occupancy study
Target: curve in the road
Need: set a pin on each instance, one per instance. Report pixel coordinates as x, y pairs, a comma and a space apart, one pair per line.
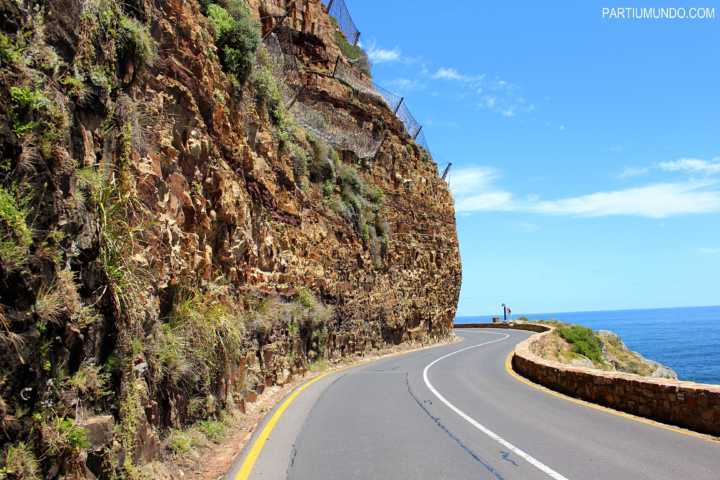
519, 452
457, 413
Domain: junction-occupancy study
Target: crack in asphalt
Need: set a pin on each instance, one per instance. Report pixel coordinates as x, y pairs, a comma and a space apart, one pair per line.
294, 452
506, 456
452, 436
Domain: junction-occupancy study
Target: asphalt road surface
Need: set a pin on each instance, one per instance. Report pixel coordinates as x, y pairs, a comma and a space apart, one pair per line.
454, 412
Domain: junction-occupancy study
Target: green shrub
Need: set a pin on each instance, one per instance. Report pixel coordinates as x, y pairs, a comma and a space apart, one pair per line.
237, 36
375, 194
354, 53
300, 163
268, 95
213, 430
90, 382
583, 341
322, 164
9, 53
135, 42
20, 462
180, 442
328, 188
63, 437
349, 177
28, 99
319, 366
305, 298
15, 234
201, 336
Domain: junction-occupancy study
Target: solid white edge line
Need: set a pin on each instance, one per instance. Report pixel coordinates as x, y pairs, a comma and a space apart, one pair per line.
533, 461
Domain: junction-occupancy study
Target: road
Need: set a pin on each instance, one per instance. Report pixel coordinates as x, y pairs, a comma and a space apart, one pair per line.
454, 412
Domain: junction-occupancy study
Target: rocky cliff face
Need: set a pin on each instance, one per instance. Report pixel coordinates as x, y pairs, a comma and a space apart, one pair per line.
173, 241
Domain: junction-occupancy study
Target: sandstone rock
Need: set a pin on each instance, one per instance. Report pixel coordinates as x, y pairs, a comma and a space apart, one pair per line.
99, 430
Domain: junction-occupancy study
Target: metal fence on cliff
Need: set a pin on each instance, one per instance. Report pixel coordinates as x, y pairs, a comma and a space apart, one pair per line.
333, 125
338, 10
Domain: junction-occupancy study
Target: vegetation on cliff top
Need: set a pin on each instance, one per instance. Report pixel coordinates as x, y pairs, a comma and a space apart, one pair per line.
579, 345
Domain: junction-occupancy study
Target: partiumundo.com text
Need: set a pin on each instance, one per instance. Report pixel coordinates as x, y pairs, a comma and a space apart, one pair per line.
659, 13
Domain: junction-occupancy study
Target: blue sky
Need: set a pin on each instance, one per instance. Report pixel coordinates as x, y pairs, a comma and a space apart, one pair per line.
585, 150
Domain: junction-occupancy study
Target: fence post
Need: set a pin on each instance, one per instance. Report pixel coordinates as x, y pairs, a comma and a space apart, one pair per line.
447, 170
330, 5
337, 60
357, 39
398, 105
418, 132
280, 22
294, 99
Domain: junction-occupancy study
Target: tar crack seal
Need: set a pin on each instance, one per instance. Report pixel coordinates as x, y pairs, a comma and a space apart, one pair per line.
454, 437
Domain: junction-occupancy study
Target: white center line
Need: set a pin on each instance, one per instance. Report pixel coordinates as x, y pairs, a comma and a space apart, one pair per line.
530, 459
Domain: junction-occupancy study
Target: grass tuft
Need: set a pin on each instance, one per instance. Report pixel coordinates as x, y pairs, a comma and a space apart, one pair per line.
20, 462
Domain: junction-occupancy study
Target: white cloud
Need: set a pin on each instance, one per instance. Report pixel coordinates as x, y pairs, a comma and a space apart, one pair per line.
692, 165
653, 201
449, 74
631, 172
497, 95
406, 84
468, 180
475, 190
495, 201
380, 55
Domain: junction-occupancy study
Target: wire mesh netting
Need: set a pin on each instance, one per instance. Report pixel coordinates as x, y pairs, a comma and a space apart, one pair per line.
392, 100
337, 127
334, 126
338, 9
350, 75
284, 65
421, 141
411, 125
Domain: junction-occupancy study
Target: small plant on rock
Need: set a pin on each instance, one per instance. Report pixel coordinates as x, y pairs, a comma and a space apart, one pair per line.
20, 462
237, 36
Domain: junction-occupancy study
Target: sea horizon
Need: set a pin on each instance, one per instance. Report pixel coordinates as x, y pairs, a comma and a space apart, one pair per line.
693, 351
567, 312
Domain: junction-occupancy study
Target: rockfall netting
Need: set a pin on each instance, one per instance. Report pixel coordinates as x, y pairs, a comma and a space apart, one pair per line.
339, 11
335, 126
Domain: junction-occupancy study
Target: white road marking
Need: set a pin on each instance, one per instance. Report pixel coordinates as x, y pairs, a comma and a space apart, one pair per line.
533, 461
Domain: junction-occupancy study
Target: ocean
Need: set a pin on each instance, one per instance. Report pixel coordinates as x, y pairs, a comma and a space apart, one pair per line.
684, 339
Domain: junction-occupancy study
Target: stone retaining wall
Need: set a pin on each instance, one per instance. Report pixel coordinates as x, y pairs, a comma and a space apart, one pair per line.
686, 404
533, 327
